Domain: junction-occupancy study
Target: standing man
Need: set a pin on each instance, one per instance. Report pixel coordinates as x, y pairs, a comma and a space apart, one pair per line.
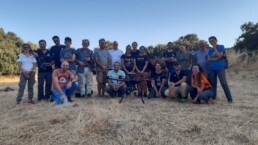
184, 57
201, 56
135, 52
45, 61
68, 54
116, 86
84, 58
115, 55
169, 57
55, 51
103, 61
64, 83
177, 86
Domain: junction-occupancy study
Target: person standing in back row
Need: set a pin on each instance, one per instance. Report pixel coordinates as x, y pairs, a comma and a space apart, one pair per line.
26, 63
103, 62
135, 52
55, 51
84, 58
68, 54
45, 61
115, 55
141, 63
216, 66
200, 56
169, 57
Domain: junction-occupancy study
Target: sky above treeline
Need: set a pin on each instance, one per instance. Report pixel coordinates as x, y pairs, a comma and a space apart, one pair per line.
148, 22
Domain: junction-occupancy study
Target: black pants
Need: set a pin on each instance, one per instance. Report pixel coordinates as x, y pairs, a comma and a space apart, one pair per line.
44, 79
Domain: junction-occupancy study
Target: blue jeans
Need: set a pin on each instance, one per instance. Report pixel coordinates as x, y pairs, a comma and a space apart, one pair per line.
121, 91
205, 95
223, 81
68, 92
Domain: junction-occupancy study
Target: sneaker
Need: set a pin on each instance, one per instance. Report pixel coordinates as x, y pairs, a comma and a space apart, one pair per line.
183, 100
30, 101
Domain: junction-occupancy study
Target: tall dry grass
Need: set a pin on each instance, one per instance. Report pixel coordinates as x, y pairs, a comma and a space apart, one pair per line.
160, 121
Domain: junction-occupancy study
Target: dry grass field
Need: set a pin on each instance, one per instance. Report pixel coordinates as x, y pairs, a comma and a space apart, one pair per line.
104, 121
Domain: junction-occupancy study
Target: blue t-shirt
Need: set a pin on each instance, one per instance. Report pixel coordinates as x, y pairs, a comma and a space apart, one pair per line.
175, 78
68, 54
55, 51
168, 54
140, 61
43, 61
218, 64
200, 58
115, 75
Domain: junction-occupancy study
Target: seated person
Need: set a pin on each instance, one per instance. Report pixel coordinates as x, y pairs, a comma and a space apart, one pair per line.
201, 89
64, 83
114, 84
159, 83
177, 86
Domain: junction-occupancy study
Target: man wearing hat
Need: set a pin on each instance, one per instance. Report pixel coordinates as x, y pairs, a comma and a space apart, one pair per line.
177, 85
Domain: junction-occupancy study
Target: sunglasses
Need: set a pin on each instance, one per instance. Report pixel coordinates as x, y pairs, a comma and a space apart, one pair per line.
25, 47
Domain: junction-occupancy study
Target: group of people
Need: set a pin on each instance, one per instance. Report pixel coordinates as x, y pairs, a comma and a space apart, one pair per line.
176, 74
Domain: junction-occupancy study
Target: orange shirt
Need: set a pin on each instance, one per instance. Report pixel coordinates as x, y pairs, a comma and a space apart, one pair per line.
63, 77
204, 81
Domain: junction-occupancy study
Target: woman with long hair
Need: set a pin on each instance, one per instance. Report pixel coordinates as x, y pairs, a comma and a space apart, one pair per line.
141, 62
26, 63
201, 89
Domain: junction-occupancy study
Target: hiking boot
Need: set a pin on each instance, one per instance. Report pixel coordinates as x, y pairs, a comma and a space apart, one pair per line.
30, 101
89, 95
69, 99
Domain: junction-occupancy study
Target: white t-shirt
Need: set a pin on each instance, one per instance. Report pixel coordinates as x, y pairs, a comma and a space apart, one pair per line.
26, 61
115, 56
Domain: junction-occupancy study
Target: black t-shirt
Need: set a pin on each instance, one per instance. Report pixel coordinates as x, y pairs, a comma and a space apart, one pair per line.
175, 78
140, 61
168, 54
151, 68
43, 60
135, 53
55, 51
158, 77
128, 61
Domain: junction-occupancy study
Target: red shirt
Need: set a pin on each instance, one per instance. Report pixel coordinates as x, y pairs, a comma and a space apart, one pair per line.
63, 77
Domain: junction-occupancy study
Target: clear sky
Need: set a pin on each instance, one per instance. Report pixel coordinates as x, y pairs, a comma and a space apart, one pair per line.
149, 22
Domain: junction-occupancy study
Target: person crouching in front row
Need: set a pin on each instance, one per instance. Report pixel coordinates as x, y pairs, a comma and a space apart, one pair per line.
64, 83
177, 85
158, 82
201, 89
114, 84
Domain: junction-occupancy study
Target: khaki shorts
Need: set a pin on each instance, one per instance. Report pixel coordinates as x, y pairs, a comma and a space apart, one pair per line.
101, 77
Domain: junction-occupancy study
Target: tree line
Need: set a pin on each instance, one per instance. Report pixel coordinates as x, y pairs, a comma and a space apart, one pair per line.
10, 46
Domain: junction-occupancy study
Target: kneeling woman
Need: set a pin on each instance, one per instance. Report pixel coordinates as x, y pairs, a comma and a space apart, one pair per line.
159, 83
201, 89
